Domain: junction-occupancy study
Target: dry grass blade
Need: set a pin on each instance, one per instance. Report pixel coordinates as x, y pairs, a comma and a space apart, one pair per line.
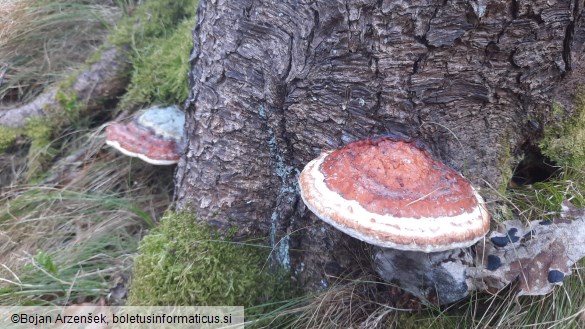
71, 238
347, 304
40, 41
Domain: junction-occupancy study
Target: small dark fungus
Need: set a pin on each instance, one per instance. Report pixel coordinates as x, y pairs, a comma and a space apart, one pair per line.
500, 241
494, 262
512, 235
555, 276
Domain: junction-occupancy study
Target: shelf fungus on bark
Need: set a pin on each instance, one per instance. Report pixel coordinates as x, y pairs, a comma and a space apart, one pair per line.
537, 255
392, 194
423, 218
155, 135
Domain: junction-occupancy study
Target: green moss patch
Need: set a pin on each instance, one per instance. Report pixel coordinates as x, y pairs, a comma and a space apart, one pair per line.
69, 103
8, 137
159, 34
151, 20
160, 76
41, 151
565, 143
183, 262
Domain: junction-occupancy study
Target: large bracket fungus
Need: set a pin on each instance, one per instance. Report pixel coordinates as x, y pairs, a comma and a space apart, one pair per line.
155, 135
424, 217
392, 194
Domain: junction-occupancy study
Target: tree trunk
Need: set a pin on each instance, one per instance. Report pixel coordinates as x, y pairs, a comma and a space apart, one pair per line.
274, 83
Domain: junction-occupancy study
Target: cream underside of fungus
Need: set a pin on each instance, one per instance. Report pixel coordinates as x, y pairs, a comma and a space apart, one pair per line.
143, 157
349, 216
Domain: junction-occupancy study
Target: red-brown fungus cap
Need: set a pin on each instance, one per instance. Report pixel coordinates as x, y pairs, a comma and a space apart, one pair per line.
392, 194
155, 136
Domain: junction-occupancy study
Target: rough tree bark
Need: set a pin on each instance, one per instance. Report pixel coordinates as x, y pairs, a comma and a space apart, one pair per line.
275, 82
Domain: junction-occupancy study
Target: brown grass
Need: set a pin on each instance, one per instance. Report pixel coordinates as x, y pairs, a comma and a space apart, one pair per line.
86, 218
40, 41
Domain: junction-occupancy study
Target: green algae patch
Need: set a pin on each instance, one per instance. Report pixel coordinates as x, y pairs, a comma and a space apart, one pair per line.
185, 262
565, 143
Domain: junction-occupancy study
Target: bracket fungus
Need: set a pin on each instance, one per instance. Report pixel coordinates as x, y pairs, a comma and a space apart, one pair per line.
424, 217
392, 194
155, 135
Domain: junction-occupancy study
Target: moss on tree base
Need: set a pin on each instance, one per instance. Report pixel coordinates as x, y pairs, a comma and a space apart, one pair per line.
564, 143
184, 262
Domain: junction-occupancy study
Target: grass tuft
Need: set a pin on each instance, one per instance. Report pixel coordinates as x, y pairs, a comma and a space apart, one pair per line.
62, 246
40, 41
542, 200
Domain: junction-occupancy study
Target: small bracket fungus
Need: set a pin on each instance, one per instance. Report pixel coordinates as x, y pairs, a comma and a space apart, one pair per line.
155, 135
392, 194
